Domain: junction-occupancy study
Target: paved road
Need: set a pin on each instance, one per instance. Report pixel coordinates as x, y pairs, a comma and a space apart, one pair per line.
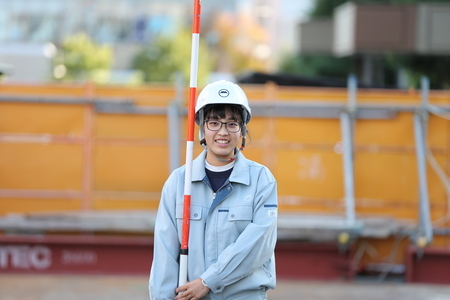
90, 287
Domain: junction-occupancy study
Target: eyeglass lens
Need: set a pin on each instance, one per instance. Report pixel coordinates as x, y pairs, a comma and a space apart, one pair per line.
230, 126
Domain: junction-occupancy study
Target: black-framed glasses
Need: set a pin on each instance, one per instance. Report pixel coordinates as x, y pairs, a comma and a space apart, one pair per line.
231, 126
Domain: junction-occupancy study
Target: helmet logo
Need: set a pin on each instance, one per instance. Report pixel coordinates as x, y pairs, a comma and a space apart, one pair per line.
224, 93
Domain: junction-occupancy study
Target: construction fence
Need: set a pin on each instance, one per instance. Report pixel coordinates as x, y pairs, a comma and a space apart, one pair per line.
370, 166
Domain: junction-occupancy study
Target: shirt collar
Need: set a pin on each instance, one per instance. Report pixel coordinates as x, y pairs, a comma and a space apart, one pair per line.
240, 174
219, 168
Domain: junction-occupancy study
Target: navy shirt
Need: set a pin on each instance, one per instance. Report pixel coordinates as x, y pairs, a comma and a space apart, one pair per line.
218, 175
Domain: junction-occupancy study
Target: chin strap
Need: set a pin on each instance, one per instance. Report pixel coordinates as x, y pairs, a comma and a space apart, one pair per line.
236, 151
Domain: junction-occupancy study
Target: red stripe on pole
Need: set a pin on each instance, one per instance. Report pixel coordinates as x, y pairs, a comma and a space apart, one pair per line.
197, 11
191, 114
186, 217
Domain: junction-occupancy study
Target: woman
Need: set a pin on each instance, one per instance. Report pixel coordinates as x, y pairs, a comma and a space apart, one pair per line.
233, 222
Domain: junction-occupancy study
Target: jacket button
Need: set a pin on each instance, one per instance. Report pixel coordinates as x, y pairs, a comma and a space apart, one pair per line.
228, 188
232, 215
196, 215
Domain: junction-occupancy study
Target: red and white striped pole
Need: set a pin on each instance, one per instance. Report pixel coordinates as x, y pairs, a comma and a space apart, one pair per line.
182, 279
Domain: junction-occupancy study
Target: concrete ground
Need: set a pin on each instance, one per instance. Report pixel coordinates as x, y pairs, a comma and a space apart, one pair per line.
101, 287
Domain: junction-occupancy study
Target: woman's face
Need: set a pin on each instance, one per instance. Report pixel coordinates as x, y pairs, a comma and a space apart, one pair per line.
221, 143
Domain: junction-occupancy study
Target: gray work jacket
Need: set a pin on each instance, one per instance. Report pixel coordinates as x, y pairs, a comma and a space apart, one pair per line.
232, 233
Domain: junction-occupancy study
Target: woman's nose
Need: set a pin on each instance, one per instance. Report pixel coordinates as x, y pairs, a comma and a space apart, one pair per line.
223, 129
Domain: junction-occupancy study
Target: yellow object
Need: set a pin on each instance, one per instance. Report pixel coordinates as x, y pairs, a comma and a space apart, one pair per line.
422, 242
343, 238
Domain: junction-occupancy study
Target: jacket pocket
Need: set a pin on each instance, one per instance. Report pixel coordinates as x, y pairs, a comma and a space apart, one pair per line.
240, 213
196, 212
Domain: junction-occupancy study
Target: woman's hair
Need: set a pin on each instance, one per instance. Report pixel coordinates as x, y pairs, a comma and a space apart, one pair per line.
222, 111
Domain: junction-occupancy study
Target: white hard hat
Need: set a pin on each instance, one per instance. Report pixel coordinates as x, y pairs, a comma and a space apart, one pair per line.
223, 92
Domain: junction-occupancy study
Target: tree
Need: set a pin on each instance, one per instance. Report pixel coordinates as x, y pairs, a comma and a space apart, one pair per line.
241, 44
161, 59
436, 68
81, 59
318, 65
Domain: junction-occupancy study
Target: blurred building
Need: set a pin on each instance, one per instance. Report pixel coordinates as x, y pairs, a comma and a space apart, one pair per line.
27, 62
26, 26
124, 21
128, 24
371, 29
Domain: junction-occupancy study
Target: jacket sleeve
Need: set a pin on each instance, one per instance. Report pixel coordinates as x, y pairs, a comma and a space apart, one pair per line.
164, 270
255, 245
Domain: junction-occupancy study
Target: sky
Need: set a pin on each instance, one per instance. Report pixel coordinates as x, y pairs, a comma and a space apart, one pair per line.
296, 9
292, 13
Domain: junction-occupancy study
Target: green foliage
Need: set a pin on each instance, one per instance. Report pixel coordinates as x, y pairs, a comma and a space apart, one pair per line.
162, 59
436, 68
81, 59
325, 8
317, 65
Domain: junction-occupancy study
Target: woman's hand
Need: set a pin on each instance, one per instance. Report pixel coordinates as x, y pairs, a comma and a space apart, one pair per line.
192, 290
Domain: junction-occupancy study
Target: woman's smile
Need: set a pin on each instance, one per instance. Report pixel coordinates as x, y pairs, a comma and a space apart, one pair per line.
222, 141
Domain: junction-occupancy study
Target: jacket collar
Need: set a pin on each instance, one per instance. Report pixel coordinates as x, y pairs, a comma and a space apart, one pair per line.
240, 174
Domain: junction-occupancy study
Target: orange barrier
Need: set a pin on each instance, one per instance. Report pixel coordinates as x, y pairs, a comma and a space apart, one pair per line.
91, 148
65, 155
